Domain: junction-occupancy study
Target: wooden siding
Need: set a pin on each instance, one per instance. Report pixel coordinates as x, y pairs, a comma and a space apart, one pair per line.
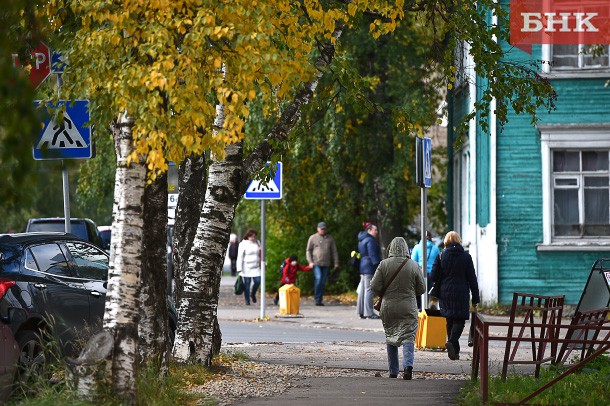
483, 169
519, 198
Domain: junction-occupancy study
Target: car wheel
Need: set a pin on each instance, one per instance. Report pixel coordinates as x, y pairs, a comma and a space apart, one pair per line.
32, 358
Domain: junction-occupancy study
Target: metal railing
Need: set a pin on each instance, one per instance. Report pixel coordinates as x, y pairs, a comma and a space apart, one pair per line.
588, 332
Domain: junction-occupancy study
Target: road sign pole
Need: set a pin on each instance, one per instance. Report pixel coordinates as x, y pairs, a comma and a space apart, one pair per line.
66, 189
424, 248
263, 259
64, 176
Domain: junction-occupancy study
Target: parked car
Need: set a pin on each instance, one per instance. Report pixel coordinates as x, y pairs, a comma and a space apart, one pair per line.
83, 228
105, 233
52, 284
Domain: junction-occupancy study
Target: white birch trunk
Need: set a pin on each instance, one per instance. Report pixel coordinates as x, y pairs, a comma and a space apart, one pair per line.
198, 299
121, 315
198, 335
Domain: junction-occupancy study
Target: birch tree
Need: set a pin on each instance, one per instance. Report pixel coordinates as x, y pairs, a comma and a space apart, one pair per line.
121, 315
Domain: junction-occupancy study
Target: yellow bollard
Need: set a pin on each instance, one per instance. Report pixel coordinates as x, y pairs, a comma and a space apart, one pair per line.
290, 296
431, 329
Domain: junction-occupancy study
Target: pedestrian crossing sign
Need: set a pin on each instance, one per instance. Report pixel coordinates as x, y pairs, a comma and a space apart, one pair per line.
69, 139
271, 190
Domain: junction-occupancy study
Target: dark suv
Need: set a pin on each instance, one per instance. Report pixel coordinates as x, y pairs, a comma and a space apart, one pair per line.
57, 285
53, 283
85, 229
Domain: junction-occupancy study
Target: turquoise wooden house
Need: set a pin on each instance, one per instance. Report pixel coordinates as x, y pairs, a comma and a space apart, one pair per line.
532, 202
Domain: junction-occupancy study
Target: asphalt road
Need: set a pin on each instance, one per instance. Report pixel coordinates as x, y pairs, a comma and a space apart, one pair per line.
265, 332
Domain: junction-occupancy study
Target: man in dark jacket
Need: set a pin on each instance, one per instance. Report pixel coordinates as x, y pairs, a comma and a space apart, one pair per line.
454, 270
370, 257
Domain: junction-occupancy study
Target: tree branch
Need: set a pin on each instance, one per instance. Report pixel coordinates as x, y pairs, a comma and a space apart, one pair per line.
290, 116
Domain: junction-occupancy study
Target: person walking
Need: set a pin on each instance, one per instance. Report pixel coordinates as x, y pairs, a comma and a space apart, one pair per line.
399, 306
233, 245
370, 257
249, 264
418, 256
321, 251
289, 273
453, 269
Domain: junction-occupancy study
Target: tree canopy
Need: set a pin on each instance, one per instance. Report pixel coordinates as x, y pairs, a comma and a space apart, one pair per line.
161, 62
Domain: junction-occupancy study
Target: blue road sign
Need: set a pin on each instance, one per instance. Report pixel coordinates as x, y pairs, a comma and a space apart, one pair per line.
70, 139
427, 162
271, 190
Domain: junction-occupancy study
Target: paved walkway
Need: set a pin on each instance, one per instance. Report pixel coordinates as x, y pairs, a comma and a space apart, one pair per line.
430, 386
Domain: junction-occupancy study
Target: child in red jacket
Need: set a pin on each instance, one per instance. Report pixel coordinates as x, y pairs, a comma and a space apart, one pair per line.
289, 273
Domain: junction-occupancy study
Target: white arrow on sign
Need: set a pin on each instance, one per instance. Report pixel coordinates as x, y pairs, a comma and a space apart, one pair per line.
63, 135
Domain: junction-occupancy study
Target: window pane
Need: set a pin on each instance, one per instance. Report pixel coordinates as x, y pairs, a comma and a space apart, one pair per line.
566, 212
566, 182
596, 181
50, 259
91, 262
565, 56
597, 214
600, 59
595, 160
29, 261
566, 161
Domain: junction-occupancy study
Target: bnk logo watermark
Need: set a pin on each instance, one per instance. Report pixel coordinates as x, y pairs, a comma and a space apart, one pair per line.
559, 22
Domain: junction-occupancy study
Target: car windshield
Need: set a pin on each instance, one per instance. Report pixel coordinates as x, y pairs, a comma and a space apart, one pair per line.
78, 228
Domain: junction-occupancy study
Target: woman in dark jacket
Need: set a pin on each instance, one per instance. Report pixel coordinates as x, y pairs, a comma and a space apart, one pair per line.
454, 270
370, 257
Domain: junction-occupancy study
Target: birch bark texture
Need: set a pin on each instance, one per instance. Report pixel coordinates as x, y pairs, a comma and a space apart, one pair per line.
121, 314
154, 344
197, 336
198, 303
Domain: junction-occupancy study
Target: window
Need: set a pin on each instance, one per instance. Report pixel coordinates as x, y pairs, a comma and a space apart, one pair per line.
462, 64
581, 206
576, 186
564, 57
29, 262
91, 262
50, 259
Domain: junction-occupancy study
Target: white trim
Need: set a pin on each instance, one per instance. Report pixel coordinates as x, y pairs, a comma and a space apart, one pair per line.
578, 136
487, 264
574, 247
575, 74
546, 59
569, 72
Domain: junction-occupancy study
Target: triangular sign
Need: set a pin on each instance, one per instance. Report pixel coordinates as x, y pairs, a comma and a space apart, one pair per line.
59, 136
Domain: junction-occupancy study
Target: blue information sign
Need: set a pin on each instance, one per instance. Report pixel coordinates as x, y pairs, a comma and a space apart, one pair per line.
271, 190
427, 162
70, 139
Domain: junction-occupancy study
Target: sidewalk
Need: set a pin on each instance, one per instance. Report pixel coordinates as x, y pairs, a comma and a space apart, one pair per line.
437, 380
358, 355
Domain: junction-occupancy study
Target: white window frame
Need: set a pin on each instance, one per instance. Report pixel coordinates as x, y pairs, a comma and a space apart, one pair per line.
567, 72
572, 136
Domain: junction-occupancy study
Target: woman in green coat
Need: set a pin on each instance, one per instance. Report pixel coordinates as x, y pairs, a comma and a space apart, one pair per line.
399, 306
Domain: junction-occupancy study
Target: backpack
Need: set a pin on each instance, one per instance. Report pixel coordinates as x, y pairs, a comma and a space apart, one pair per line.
354, 261
281, 268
